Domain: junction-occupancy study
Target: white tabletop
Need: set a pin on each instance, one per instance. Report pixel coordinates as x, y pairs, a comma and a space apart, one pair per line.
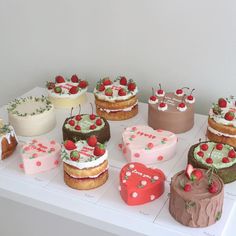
103, 207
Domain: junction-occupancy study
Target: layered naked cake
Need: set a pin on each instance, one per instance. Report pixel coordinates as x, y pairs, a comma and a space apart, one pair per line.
172, 111
31, 116
116, 100
196, 197
67, 93
85, 163
221, 157
8, 140
222, 121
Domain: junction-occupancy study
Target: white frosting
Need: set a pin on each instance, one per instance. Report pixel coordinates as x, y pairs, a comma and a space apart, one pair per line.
115, 97
220, 133
160, 95
116, 110
182, 108
91, 176
152, 102
162, 108
190, 101
85, 161
179, 95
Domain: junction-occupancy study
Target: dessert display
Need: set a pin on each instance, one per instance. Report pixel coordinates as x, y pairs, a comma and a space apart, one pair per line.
196, 197
39, 155
143, 144
8, 140
221, 157
67, 93
222, 121
140, 184
116, 100
31, 116
85, 163
172, 111
82, 126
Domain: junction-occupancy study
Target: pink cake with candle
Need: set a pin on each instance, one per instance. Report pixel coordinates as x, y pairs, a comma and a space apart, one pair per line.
40, 155
143, 144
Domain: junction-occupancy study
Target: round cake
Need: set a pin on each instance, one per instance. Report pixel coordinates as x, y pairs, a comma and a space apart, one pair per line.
85, 163
221, 157
116, 100
222, 121
31, 116
196, 197
82, 126
171, 111
8, 140
67, 93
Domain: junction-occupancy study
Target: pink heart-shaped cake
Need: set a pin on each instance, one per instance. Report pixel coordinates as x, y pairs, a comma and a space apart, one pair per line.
140, 184
143, 144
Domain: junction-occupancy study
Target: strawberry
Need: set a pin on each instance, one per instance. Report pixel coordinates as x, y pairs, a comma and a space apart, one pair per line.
106, 81
225, 160
50, 85
59, 79
92, 127
204, 146
57, 90
231, 154
74, 79
92, 117
69, 145
200, 153
78, 117
153, 98
71, 122
99, 150
92, 141
74, 155
209, 160
131, 86
189, 170
100, 87
229, 115
123, 80
222, 103
83, 84
187, 187
213, 187
77, 127
122, 92
219, 146
73, 90
108, 92
182, 105
99, 122
196, 175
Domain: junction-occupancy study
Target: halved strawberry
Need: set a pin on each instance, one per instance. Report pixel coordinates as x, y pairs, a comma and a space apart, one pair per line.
74, 155
196, 174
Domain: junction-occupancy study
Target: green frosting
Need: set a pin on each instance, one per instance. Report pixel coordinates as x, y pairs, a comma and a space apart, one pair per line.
216, 155
85, 124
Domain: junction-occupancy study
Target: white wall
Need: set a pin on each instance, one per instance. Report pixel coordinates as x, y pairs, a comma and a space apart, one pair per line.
175, 42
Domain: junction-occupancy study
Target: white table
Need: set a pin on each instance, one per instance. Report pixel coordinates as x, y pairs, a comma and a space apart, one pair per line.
103, 207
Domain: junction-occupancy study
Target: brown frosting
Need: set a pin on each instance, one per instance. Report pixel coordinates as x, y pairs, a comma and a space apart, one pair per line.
172, 119
198, 207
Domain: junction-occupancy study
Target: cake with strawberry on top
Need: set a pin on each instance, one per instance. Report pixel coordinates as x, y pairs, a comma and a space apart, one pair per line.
196, 197
116, 100
221, 157
81, 126
172, 111
222, 121
85, 163
67, 93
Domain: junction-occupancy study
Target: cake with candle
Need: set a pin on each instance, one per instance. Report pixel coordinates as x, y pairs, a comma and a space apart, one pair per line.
31, 116
196, 197
172, 111
222, 121
8, 140
116, 100
81, 126
67, 93
221, 157
85, 163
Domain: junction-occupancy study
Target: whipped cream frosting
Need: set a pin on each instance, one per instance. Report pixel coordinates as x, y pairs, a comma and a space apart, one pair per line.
220, 133
116, 110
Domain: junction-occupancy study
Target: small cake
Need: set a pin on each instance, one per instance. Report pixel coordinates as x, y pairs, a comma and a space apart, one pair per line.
196, 197
143, 144
82, 126
85, 163
31, 116
39, 155
173, 111
8, 140
140, 184
222, 121
67, 93
116, 100
221, 157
